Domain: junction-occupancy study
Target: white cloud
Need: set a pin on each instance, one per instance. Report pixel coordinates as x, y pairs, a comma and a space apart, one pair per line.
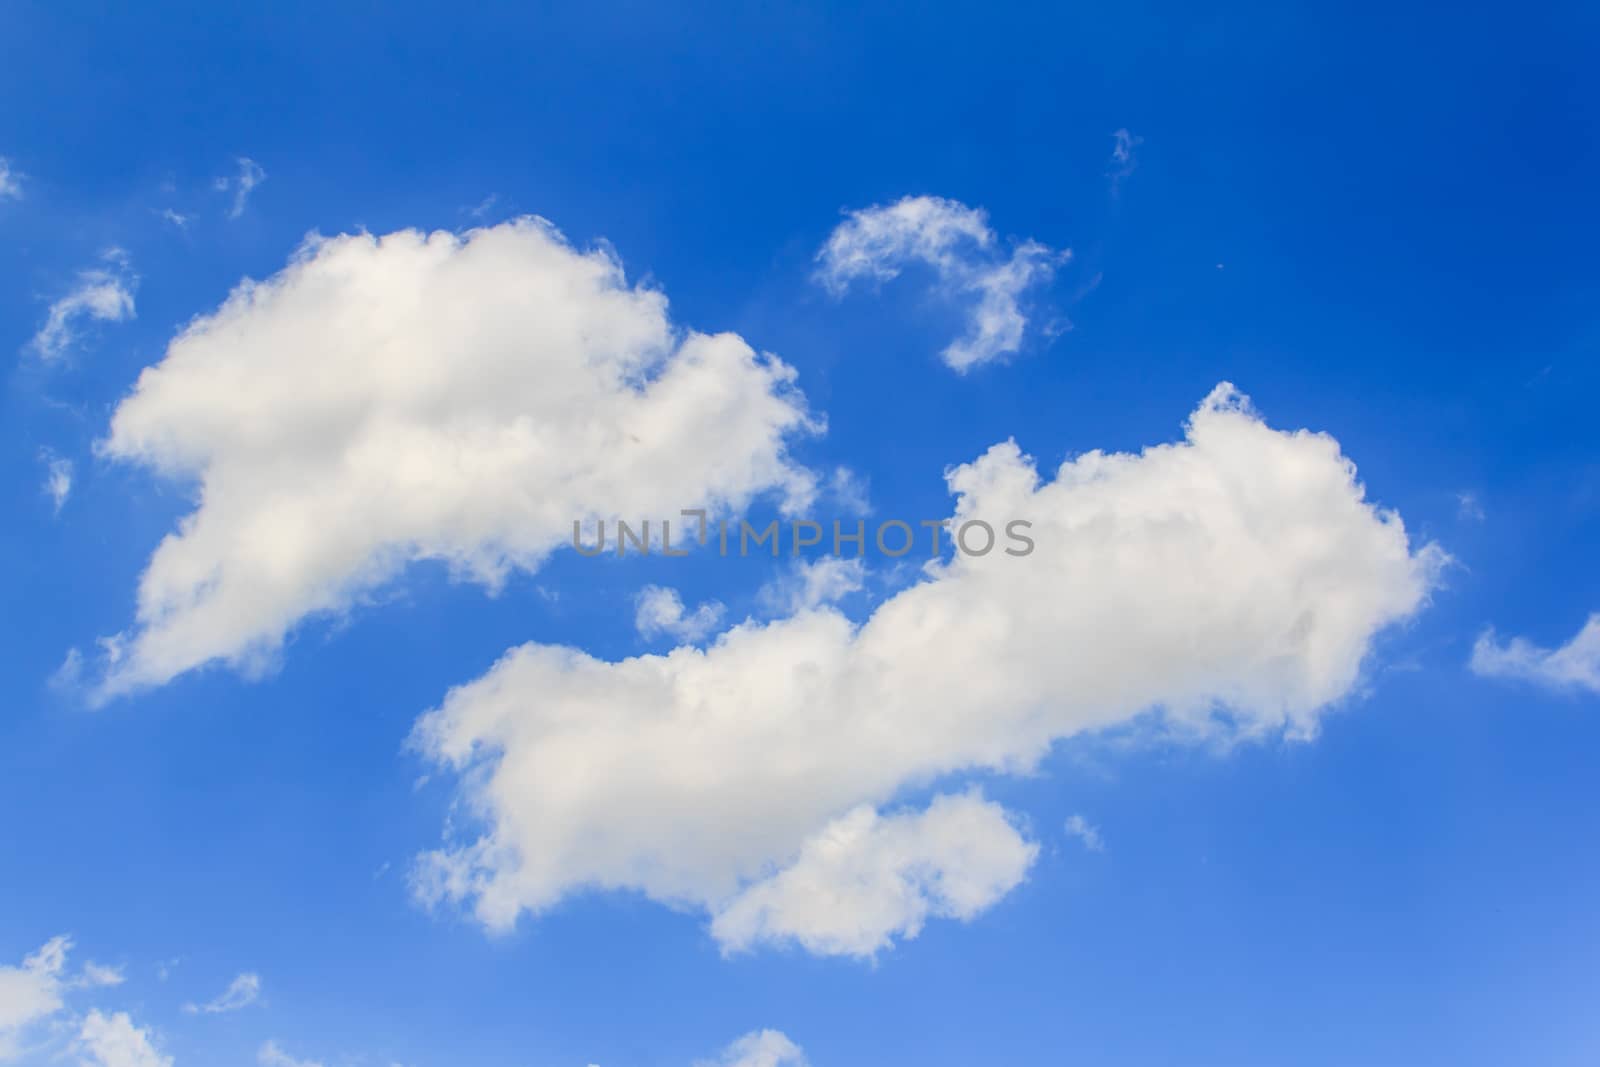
866, 878
114, 1041
1575, 665
1085, 831
425, 397
825, 580
57, 477
98, 974
242, 992
1232, 584
877, 243
1123, 162
1469, 508
178, 219
659, 610
273, 1056
30, 994
10, 181
762, 1048
103, 294
242, 184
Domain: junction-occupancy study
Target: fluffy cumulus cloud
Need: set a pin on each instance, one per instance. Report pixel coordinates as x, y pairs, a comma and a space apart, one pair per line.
659, 611
100, 294
456, 398
30, 994
114, 1041
1230, 582
761, 1048
866, 878
876, 244
242, 992
1573, 666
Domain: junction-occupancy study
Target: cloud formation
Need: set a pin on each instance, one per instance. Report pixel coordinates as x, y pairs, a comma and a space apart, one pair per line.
444, 397
762, 1048
1575, 665
241, 184
875, 244
865, 879
10, 181
102, 294
1086, 832
1231, 583
57, 478
242, 992
659, 610
114, 1041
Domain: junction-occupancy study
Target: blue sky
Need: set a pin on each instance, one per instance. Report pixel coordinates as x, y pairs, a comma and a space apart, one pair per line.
1340, 776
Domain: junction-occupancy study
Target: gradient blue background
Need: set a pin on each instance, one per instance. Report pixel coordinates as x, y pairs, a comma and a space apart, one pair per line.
1403, 201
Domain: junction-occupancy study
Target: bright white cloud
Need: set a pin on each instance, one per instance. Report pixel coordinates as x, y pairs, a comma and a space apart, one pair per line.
761, 1048
875, 244
57, 478
866, 878
242, 992
97, 974
1085, 831
1233, 582
425, 397
241, 184
114, 1041
30, 994
10, 181
103, 294
1575, 665
273, 1056
659, 610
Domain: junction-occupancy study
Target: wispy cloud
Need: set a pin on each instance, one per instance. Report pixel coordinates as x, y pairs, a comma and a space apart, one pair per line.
10, 181
1123, 161
875, 244
57, 477
241, 184
242, 992
1085, 831
1575, 665
103, 294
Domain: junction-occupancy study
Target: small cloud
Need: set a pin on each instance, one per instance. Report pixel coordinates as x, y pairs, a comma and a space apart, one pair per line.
181, 221
1575, 665
10, 181
877, 243
659, 610
850, 490
250, 175
242, 992
810, 585
57, 477
763, 1048
97, 975
1085, 831
102, 294
1123, 161
484, 207
1469, 508
272, 1055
